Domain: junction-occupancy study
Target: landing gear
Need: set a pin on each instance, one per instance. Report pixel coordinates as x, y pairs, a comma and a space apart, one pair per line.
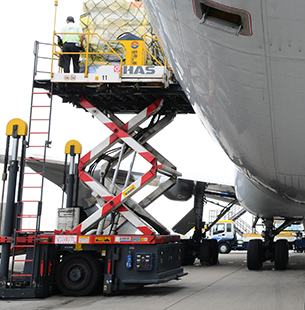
78, 274
206, 250
258, 252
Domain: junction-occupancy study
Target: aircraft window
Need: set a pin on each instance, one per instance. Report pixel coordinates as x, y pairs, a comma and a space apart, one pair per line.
222, 17
229, 227
218, 228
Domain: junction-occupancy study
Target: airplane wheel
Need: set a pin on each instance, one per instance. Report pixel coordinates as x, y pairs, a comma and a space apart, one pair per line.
208, 252
186, 256
215, 252
281, 257
254, 254
224, 248
78, 274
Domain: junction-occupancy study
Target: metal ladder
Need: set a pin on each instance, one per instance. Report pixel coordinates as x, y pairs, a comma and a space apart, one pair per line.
29, 204
114, 199
234, 214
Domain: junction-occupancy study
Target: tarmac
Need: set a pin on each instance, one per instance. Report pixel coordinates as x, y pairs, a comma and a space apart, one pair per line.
228, 285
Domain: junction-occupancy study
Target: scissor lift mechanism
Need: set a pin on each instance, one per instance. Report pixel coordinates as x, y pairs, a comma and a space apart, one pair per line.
114, 201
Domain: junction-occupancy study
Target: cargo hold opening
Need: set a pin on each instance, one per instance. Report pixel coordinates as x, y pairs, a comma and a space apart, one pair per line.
224, 18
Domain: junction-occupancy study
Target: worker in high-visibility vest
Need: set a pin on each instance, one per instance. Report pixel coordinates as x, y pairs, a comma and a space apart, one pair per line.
73, 40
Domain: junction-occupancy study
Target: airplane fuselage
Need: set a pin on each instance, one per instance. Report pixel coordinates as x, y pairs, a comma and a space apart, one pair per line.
242, 66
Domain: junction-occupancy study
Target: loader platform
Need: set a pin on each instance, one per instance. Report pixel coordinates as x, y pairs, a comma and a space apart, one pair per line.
120, 98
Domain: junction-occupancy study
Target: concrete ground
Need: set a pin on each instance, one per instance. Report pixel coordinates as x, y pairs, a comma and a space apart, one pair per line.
229, 285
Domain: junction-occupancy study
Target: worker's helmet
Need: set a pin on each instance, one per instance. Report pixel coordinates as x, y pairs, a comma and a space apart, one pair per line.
70, 19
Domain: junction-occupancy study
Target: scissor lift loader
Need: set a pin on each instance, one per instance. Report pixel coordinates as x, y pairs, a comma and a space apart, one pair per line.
96, 253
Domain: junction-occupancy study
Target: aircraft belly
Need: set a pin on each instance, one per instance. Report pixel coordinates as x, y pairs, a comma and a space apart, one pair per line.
247, 92
266, 204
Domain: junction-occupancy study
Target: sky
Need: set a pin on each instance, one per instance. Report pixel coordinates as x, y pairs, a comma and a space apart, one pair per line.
23, 22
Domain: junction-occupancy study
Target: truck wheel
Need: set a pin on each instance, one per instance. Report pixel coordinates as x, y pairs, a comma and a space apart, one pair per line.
224, 248
281, 257
254, 254
78, 274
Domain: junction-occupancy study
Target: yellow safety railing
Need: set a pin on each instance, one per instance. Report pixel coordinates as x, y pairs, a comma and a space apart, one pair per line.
149, 53
86, 53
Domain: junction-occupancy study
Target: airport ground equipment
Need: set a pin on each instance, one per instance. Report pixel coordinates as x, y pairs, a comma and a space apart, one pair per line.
229, 237
95, 253
225, 234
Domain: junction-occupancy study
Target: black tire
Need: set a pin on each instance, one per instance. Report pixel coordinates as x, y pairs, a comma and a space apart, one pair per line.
208, 252
224, 248
254, 254
78, 274
215, 252
281, 257
187, 257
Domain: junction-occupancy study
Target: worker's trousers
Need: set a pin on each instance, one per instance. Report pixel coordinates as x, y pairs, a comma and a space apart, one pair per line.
70, 47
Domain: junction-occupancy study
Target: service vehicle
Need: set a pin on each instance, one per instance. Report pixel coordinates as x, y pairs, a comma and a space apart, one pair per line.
229, 239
